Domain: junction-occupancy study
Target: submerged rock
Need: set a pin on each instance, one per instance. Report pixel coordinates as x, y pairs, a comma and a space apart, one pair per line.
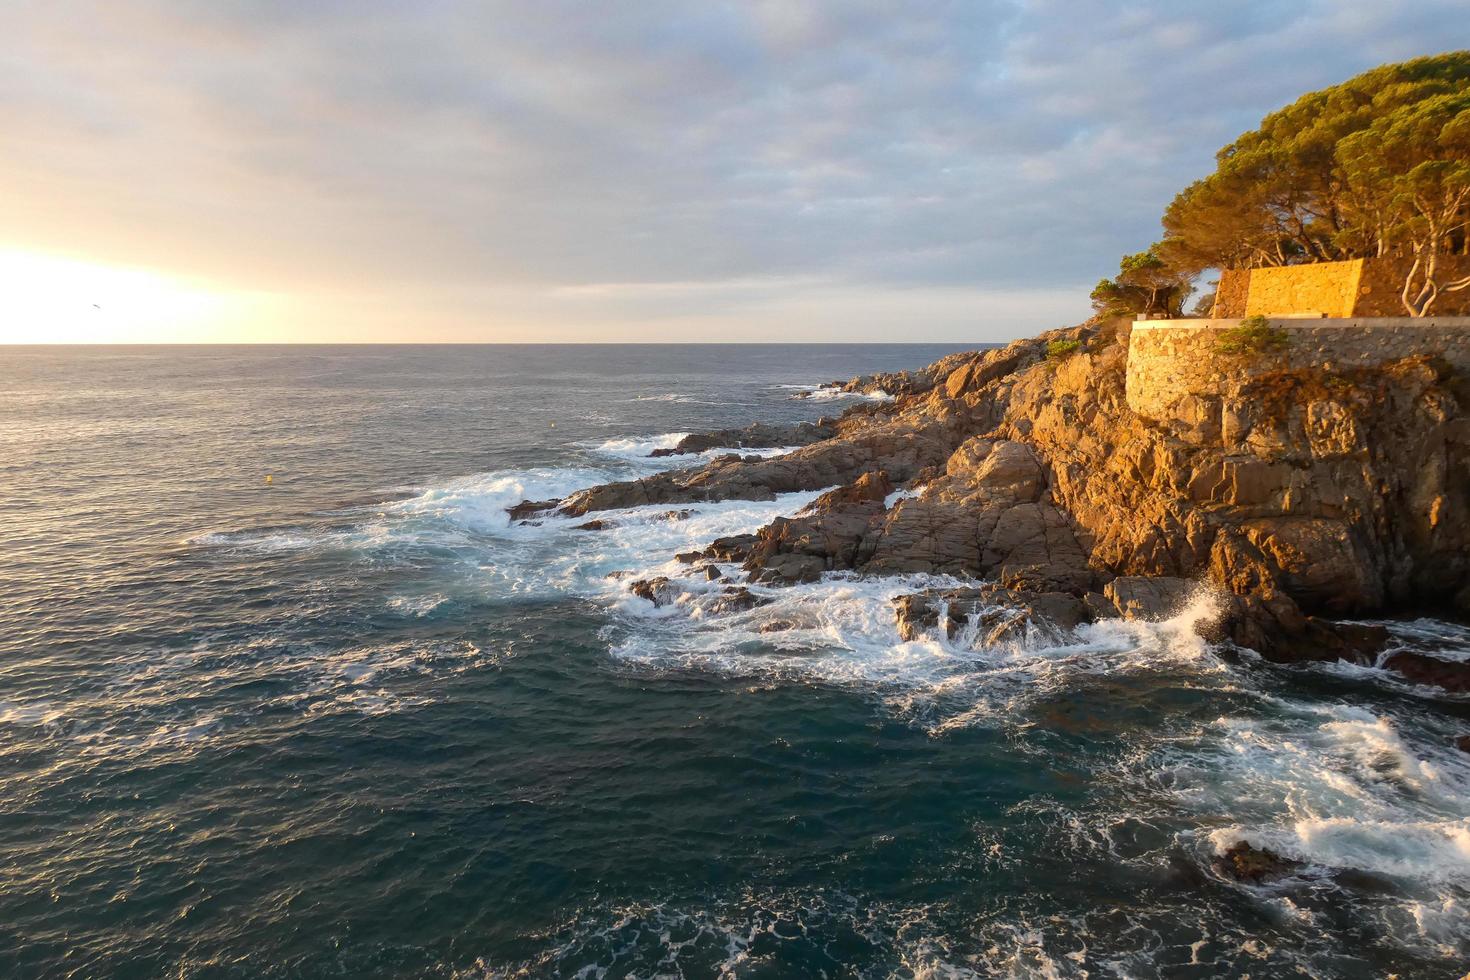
1452, 675
1254, 865
530, 508
659, 590
735, 598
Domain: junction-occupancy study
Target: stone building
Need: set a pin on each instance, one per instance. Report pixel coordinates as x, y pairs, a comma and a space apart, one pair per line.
1356, 288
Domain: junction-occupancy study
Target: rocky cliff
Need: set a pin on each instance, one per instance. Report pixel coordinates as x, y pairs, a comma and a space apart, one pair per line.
1329, 494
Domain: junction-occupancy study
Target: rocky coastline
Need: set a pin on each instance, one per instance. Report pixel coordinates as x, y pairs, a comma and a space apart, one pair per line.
1334, 496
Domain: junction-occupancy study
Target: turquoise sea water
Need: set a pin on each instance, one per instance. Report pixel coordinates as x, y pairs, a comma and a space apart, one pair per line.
351, 723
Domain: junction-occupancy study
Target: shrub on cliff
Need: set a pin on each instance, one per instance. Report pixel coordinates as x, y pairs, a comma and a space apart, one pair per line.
1058, 349
1255, 335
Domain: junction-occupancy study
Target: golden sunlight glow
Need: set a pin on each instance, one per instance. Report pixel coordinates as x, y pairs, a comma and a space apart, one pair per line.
50, 299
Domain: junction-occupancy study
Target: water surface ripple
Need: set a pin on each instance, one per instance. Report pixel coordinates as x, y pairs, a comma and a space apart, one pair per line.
352, 723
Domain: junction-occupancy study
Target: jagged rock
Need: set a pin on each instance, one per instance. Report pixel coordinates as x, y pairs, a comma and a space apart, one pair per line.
1463, 743
676, 515
1275, 627
659, 591
827, 534
735, 598
868, 488
1000, 613
1139, 597
530, 508
711, 573
788, 569
736, 547
595, 526
1297, 495
757, 436
1254, 865
1452, 675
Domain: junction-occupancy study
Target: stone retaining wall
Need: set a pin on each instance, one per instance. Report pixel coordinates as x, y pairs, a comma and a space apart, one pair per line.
1354, 288
1175, 371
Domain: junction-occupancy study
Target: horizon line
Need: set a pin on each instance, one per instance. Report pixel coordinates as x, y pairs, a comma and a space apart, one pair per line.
507, 343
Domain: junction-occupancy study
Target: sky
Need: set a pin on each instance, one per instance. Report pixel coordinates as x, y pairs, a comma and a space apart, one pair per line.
624, 170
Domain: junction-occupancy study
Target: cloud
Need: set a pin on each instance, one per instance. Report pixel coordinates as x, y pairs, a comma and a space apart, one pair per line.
472, 158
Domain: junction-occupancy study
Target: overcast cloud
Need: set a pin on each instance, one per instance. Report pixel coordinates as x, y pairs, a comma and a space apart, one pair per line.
648, 170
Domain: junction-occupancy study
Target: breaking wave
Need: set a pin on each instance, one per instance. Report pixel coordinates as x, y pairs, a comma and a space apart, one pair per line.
1356, 795
835, 392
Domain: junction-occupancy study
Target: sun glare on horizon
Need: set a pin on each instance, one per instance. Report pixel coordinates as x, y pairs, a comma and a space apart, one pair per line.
53, 299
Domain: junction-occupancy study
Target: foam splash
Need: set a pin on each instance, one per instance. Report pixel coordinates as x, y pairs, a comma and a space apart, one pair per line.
636, 451
1341, 787
842, 631
669, 397
748, 934
836, 392
459, 512
1332, 785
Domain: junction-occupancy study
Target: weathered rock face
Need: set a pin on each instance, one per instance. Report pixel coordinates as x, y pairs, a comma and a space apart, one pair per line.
997, 614
757, 436
1304, 494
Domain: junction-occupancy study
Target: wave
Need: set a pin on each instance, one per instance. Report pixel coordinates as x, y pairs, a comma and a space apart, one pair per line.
842, 631
834, 392
673, 397
1335, 786
636, 451
770, 932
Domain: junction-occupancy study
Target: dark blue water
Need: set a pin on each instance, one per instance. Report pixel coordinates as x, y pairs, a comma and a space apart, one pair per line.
351, 723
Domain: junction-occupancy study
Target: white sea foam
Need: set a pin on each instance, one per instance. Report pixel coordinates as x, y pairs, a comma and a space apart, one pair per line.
1426, 850
482, 502
35, 714
636, 451
674, 397
417, 605
1333, 785
1339, 786
833, 393
1446, 641
842, 631
730, 937
898, 495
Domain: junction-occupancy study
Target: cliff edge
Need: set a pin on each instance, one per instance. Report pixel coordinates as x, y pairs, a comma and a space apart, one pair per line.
1301, 496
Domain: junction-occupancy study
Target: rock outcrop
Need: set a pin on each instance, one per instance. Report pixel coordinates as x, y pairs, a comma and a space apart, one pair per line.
757, 436
1303, 498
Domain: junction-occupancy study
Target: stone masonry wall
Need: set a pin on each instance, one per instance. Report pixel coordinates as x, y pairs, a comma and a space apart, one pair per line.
1381, 287
1356, 288
1175, 373
1325, 288
1231, 293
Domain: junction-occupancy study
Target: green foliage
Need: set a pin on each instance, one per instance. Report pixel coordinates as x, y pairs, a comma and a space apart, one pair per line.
1058, 349
1255, 335
1377, 165
1146, 283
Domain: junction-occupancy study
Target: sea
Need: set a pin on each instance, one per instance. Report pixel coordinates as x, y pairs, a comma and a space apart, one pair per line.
285, 694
